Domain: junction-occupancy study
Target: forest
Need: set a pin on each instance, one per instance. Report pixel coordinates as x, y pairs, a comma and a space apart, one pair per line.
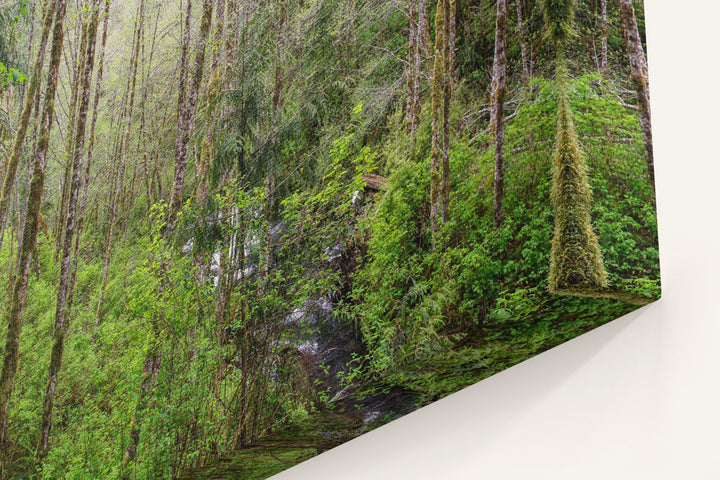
237, 233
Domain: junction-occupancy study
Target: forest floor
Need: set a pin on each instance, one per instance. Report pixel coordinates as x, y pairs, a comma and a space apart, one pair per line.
283, 449
470, 359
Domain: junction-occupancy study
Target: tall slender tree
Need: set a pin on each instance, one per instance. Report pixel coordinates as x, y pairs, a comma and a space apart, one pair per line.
522, 39
231, 41
603, 38
214, 84
64, 294
16, 300
410, 107
417, 49
497, 122
639, 76
123, 144
70, 135
436, 152
441, 99
451, 40
576, 263
33, 91
186, 115
90, 146
448, 73
182, 78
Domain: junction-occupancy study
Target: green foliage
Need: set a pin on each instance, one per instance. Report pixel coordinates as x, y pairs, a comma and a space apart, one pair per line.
424, 312
10, 76
559, 18
291, 238
11, 13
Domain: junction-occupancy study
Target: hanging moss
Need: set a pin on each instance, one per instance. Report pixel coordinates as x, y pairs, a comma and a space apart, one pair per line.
576, 263
559, 16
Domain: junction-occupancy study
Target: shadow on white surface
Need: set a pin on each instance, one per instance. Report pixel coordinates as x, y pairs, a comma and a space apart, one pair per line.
529, 417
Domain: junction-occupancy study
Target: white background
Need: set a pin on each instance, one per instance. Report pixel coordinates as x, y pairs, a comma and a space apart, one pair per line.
636, 399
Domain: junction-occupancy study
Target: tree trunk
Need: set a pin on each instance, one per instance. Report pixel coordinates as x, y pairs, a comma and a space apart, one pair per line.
49, 8
64, 294
186, 117
603, 39
213, 87
218, 35
146, 79
70, 138
522, 31
123, 146
186, 113
448, 81
16, 301
451, 18
150, 373
576, 262
231, 16
422, 42
497, 122
90, 148
244, 358
417, 51
182, 80
280, 61
269, 203
436, 151
413, 48
639, 76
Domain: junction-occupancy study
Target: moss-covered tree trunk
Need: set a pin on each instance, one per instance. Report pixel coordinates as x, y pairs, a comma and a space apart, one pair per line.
497, 122
186, 115
448, 72
16, 301
410, 107
90, 148
65, 285
231, 27
451, 40
522, 39
214, 84
436, 151
49, 8
151, 368
182, 79
639, 76
123, 146
417, 48
576, 263
422, 52
70, 137
603, 38
279, 68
